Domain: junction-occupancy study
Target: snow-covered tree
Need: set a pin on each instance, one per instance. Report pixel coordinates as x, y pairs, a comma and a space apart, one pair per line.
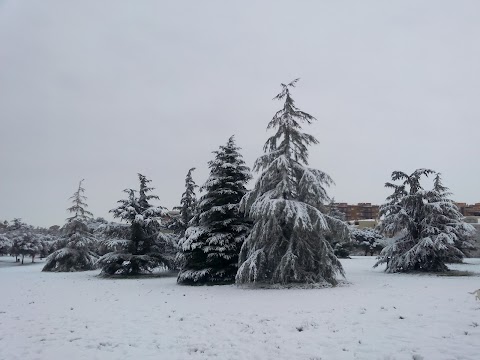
112, 237
5, 244
10, 236
46, 244
288, 206
446, 217
144, 250
3, 225
77, 253
78, 208
187, 208
339, 236
29, 245
425, 225
211, 244
20, 239
369, 240
24, 240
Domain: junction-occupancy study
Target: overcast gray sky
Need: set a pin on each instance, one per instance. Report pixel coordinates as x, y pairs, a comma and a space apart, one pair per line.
102, 90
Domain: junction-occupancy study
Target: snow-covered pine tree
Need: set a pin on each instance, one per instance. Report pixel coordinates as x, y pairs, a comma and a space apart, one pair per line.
368, 240
425, 225
77, 253
112, 237
289, 209
211, 244
335, 212
187, 208
446, 217
189, 200
339, 236
144, 250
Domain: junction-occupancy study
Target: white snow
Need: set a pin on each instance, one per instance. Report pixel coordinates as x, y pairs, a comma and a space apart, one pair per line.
378, 316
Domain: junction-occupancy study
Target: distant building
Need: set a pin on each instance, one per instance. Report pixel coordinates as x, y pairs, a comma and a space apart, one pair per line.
469, 210
361, 211
364, 211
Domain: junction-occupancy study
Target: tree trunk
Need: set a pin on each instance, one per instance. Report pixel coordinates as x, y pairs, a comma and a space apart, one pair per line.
33, 258
22, 258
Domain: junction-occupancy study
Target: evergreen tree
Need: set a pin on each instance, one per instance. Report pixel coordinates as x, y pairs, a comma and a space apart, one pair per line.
369, 240
15, 232
187, 208
76, 253
78, 208
211, 244
5, 244
446, 217
112, 237
29, 245
425, 225
338, 237
288, 206
144, 250
23, 239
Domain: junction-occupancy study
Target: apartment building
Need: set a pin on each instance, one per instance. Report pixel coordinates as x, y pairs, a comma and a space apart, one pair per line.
360, 211
469, 210
363, 211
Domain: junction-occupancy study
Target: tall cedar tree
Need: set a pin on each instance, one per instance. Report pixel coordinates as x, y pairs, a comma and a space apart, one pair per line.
211, 245
426, 227
188, 206
145, 250
289, 208
77, 254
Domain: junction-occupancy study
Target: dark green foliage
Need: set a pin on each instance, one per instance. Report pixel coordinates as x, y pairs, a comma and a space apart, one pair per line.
342, 250
188, 207
211, 244
145, 249
368, 240
339, 236
128, 264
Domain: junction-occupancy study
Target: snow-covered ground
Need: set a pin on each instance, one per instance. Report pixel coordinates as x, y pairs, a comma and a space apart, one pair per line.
378, 316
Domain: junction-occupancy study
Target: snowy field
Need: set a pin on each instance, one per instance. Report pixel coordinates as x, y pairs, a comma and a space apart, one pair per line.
378, 316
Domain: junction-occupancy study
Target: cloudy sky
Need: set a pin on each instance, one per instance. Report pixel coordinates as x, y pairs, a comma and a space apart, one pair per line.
103, 90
